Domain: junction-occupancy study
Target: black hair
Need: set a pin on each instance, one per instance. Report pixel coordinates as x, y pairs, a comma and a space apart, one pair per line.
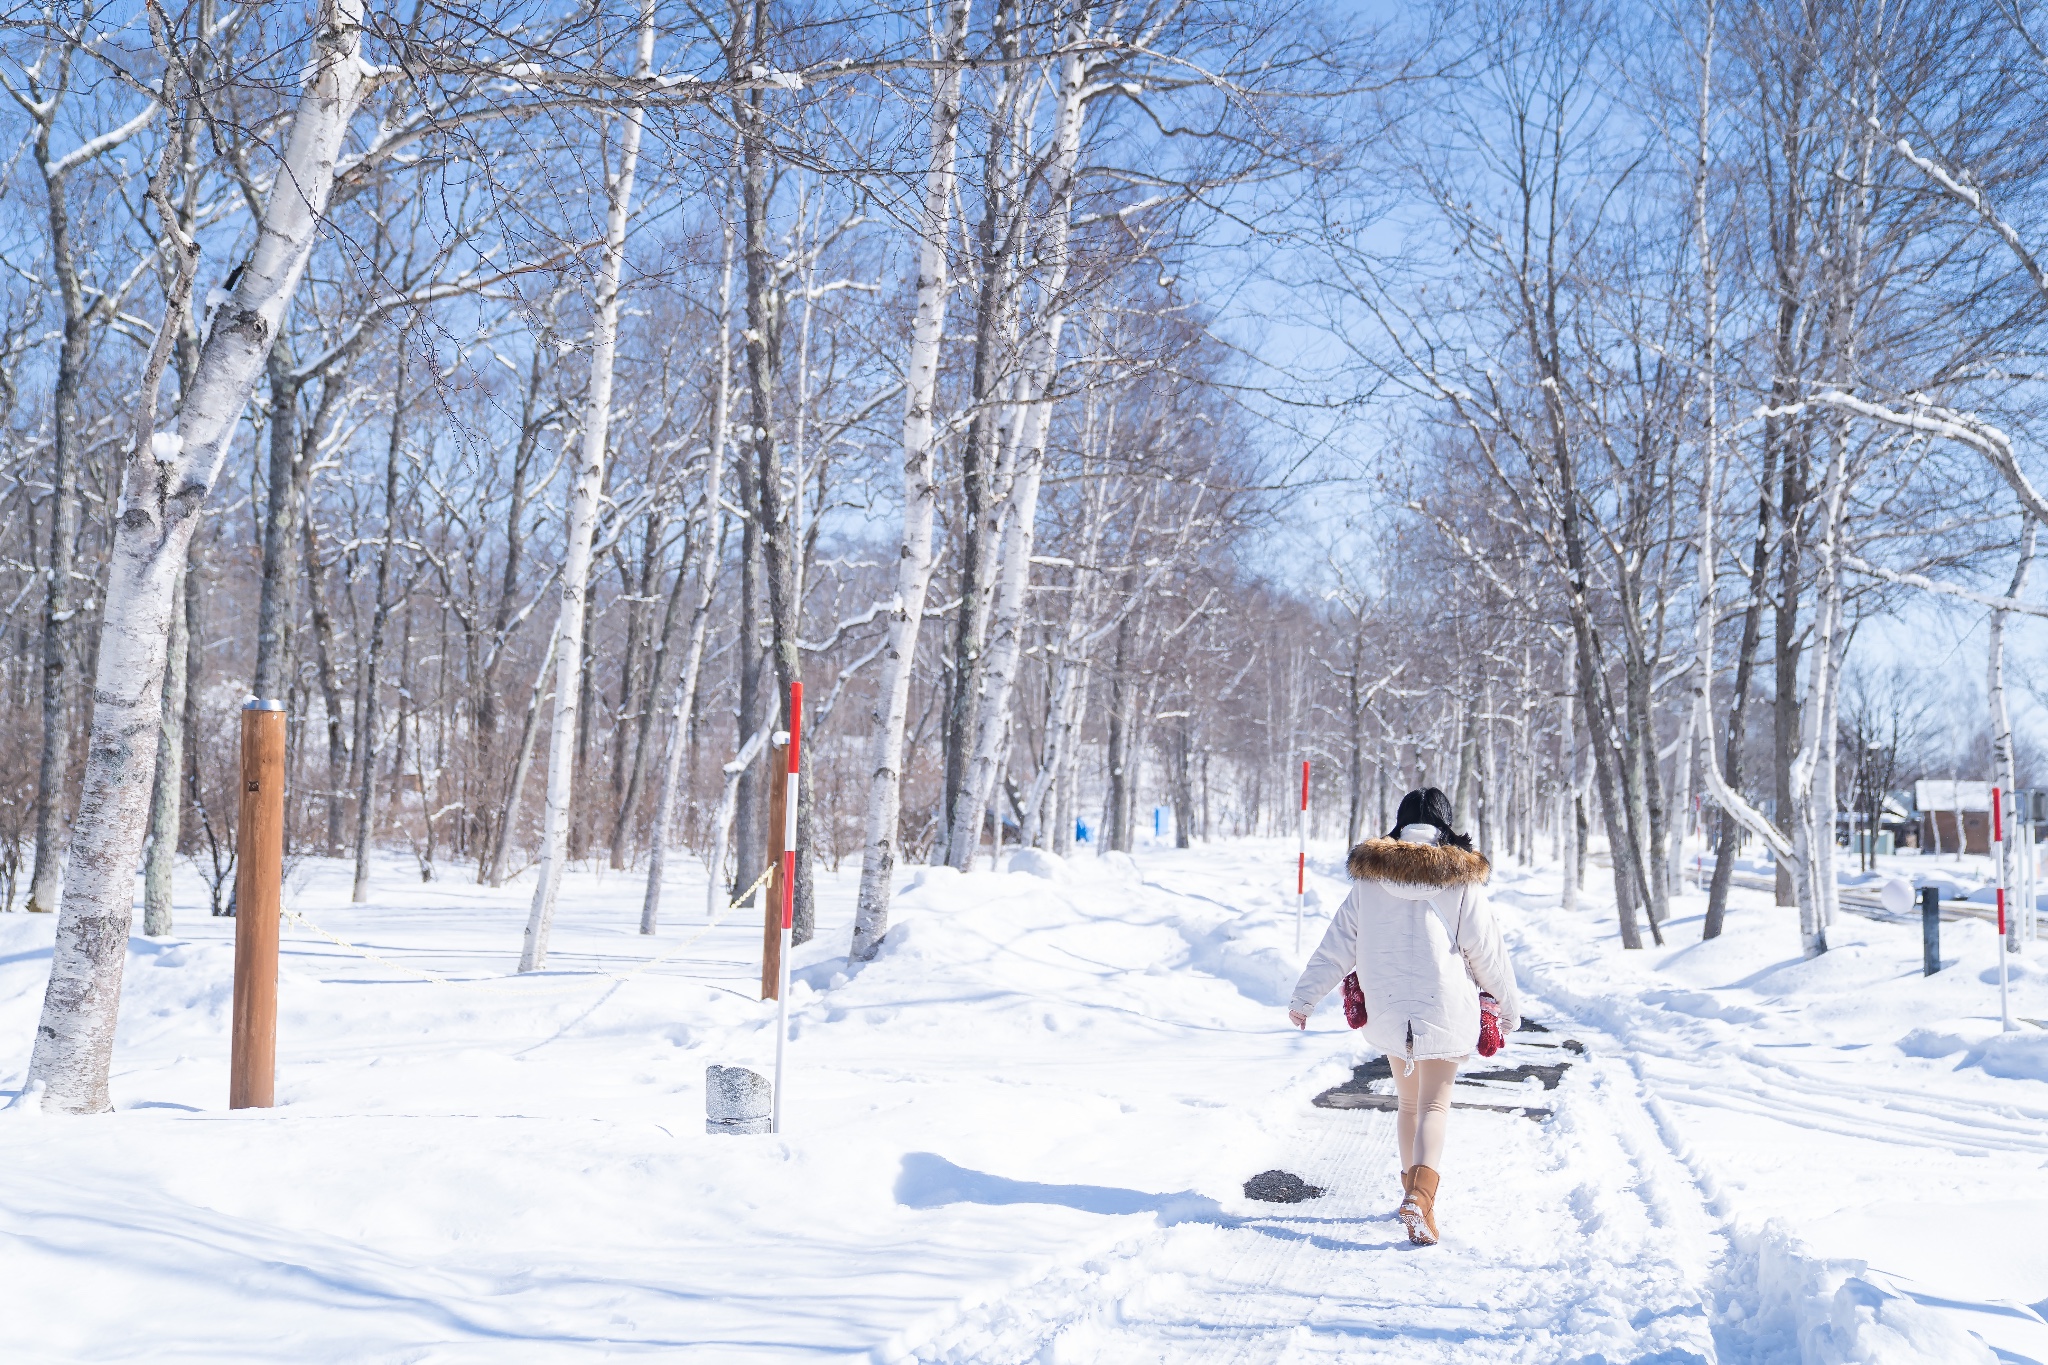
1429, 806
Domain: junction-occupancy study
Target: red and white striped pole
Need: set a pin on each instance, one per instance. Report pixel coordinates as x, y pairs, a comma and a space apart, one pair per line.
1301, 859
788, 879
1998, 865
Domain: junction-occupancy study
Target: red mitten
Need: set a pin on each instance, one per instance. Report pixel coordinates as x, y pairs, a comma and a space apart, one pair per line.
1490, 1040
1354, 1002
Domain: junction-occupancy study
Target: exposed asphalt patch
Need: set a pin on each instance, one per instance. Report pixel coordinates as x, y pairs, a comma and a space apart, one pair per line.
1360, 1092
1280, 1187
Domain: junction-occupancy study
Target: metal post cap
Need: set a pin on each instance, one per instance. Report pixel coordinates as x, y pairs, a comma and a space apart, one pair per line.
261, 704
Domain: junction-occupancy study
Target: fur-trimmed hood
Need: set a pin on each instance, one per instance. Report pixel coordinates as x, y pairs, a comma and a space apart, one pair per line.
1395, 860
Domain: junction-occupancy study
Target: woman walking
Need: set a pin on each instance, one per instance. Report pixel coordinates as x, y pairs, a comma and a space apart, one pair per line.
1417, 930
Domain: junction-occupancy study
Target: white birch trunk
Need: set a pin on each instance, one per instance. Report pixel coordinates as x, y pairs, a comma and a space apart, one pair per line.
700, 617
728, 807
1006, 643
1568, 817
1044, 807
2001, 720
522, 768
163, 489
1711, 776
1067, 782
920, 498
1681, 808
678, 746
1813, 818
1041, 805
1006, 639
1813, 779
1825, 795
582, 524
167, 798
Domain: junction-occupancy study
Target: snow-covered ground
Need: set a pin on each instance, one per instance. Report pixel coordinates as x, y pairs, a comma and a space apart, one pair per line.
1022, 1134
1873, 1150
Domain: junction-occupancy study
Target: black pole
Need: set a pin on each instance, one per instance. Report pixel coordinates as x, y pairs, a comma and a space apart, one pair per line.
1930, 930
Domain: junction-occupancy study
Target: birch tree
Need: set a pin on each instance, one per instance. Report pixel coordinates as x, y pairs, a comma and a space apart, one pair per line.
710, 557
992, 699
582, 516
386, 600
45, 93
163, 486
2004, 768
920, 491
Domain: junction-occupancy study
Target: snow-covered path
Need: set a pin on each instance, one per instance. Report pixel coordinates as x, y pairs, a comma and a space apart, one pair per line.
1574, 1240
1578, 1238
1019, 1135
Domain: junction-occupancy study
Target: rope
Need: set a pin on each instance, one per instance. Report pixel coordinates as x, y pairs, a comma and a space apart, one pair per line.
439, 979
743, 897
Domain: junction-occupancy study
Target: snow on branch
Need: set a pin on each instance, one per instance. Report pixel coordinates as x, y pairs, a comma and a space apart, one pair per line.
1959, 188
748, 751
890, 604
537, 85
1723, 795
1951, 425
824, 713
1926, 584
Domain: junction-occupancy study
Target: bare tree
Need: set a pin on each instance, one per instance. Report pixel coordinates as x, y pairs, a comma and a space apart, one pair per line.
163, 487
920, 493
583, 512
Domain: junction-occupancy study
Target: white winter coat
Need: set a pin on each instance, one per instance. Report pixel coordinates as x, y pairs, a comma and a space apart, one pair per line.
1419, 933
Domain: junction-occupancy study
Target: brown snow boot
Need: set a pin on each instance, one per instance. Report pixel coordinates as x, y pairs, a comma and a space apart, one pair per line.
1407, 1183
1418, 1210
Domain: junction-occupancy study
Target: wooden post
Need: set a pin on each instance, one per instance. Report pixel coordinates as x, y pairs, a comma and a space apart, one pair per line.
771, 892
259, 896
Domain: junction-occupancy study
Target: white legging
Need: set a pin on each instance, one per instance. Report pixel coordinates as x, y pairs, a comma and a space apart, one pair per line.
1425, 1110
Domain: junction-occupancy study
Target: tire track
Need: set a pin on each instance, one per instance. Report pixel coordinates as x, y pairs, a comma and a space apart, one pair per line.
1715, 1069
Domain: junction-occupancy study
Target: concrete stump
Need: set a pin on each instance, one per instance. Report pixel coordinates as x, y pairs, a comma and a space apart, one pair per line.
737, 1100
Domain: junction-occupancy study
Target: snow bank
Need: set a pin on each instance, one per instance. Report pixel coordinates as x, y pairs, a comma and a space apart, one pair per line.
1839, 1313
1021, 1133
1875, 1149
2015, 1056
1036, 862
1248, 960
2020, 1056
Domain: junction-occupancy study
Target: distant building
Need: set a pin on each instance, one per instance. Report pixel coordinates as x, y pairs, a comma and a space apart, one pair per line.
1898, 819
1953, 814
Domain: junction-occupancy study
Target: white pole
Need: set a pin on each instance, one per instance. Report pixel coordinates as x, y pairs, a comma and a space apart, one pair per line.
1301, 859
789, 826
781, 1012
1998, 866
2019, 866
2033, 873
2029, 870
2022, 866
